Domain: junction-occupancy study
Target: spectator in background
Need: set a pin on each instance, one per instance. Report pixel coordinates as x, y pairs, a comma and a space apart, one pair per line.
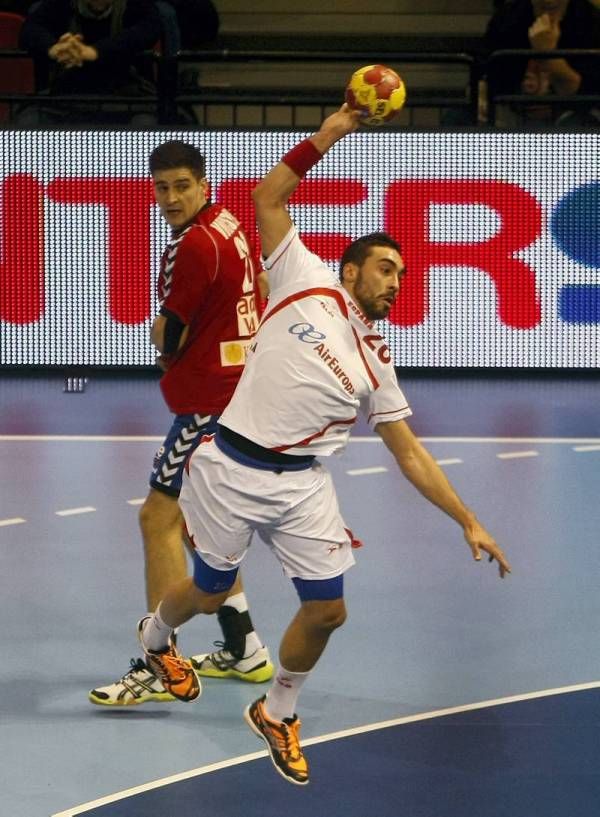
16, 6
187, 24
198, 22
91, 46
545, 25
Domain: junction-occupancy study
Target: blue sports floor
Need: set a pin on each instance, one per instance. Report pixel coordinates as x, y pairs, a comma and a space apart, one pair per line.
448, 693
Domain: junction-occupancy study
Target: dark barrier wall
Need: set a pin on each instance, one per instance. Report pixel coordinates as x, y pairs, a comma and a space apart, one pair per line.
499, 231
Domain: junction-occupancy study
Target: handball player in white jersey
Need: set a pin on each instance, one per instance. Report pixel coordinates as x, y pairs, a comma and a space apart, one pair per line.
315, 362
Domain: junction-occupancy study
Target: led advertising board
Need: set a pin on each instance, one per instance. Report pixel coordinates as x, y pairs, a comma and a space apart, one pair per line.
500, 234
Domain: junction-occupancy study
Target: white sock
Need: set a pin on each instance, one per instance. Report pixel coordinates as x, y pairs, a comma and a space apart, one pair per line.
253, 643
155, 635
239, 602
283, 694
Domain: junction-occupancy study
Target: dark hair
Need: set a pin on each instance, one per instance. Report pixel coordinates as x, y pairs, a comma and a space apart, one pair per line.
356, 252
171, 155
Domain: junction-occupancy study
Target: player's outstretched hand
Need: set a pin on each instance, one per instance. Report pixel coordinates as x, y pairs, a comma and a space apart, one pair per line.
342, 122
335, 127
479, 539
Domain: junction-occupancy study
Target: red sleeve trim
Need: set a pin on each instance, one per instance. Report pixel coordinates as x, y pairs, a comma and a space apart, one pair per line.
307, 293
404, 409
284, 250
372, 378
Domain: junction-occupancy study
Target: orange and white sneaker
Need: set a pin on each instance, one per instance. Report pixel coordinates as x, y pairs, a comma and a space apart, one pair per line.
282, 739
174, 672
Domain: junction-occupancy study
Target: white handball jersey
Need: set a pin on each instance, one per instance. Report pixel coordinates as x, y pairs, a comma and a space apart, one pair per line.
314, 362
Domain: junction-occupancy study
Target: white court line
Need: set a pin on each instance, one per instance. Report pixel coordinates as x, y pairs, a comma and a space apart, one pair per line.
522, 440
359, 472
580, 448
84, 438
95, 438
17, 520
450, 461
75, 511
136, 501
357, 730
514, 455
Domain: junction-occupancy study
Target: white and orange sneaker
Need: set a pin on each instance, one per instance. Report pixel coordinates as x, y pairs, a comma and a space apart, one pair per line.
282, 739
175, 673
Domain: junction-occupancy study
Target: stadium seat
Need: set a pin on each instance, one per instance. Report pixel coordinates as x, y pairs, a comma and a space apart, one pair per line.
16, 73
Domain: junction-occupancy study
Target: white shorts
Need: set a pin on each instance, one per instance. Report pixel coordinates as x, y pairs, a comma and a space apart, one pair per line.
296, 513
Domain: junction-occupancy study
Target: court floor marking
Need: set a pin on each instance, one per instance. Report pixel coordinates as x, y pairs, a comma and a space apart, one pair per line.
381, 469
579, 445
536, 440
515, 455
97, 438
16, 520
75, 511
360, 472
345, 733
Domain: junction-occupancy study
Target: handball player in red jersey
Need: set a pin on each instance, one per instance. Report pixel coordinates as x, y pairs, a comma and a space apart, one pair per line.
208, 293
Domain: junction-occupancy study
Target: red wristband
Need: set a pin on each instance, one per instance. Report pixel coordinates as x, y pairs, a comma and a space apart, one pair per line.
301, 158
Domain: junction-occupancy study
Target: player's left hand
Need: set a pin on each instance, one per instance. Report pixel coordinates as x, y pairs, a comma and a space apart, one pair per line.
479, 539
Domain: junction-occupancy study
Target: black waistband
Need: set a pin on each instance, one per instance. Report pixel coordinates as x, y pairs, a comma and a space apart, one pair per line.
257, 452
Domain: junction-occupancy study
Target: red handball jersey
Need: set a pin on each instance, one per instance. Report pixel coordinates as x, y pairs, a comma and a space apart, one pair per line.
208, 280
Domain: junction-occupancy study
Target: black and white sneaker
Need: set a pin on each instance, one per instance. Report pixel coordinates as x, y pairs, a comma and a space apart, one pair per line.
256, 668
138, 686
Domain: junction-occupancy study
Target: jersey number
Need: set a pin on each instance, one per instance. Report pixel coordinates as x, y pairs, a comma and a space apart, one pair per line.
377, 344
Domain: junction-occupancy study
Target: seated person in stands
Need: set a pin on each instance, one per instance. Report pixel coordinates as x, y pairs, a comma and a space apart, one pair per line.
198, 22
188, 25
16, 6
545, 25
90, 46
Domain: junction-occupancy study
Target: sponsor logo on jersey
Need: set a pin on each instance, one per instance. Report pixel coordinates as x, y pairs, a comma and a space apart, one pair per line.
233, 352
333, 363
308, 333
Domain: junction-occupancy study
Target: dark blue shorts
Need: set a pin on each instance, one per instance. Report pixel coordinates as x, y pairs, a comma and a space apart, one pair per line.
183, 437
209, 579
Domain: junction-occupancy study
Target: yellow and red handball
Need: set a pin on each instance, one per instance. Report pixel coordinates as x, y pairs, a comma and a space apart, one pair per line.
377, 92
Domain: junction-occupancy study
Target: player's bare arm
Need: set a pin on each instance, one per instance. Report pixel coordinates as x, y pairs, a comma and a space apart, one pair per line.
419, 467
272, 194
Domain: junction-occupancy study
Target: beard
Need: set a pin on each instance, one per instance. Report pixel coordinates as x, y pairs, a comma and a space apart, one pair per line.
372, 306
375, 310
